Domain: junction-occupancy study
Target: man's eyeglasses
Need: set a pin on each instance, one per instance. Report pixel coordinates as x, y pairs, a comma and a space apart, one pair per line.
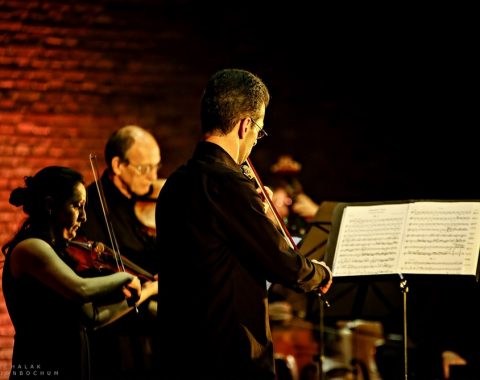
261, 131
144, 169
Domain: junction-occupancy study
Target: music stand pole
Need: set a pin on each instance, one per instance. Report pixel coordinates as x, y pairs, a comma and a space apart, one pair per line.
321, 329
404, 290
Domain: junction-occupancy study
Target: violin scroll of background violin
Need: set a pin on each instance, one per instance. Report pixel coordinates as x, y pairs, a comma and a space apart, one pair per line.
145, 207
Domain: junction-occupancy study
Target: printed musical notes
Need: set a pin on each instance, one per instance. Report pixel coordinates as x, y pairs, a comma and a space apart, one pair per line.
418, 238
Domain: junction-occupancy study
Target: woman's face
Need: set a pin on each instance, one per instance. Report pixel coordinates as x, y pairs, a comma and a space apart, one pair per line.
71, 214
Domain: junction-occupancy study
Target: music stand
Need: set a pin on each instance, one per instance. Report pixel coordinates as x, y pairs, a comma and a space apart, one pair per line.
313, 245
366, 299
425, 237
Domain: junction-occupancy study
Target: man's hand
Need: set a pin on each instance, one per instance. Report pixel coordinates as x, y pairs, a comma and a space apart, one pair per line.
149, 289
329, 280
305, 206
270, 196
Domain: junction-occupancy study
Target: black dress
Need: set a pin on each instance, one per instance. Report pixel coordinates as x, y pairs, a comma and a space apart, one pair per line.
50, 337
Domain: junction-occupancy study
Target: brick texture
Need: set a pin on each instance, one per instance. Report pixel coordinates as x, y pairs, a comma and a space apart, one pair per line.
344, 102
72, 72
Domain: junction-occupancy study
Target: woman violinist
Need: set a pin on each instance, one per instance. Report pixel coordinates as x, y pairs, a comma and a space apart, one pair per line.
51, 307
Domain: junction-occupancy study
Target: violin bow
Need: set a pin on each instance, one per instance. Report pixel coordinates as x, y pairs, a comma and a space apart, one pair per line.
276, 215
278, 219
106, 215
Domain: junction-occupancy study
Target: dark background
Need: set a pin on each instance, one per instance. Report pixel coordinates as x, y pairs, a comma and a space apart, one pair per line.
375, 103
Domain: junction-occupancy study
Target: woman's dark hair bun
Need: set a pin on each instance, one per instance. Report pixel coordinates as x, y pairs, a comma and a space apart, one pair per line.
18, 196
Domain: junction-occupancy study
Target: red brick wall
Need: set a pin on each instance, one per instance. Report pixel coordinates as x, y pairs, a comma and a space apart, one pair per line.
360, 109
71, 73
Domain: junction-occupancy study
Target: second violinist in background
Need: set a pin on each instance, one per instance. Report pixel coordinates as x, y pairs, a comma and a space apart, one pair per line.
124, 350
295, 207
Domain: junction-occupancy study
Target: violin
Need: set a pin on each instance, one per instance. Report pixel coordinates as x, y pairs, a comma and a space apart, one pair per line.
145, 207
89, 257
250, 171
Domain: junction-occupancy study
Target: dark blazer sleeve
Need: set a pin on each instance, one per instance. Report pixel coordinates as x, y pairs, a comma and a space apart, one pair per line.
258, 243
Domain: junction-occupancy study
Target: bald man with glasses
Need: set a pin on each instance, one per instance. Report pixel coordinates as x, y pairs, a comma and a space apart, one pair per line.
124, 350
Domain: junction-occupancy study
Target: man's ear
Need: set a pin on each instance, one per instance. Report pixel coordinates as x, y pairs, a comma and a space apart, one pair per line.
244, 124
116, 161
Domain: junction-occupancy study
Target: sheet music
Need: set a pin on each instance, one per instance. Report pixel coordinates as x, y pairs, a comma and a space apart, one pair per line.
416, 238
442, 237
